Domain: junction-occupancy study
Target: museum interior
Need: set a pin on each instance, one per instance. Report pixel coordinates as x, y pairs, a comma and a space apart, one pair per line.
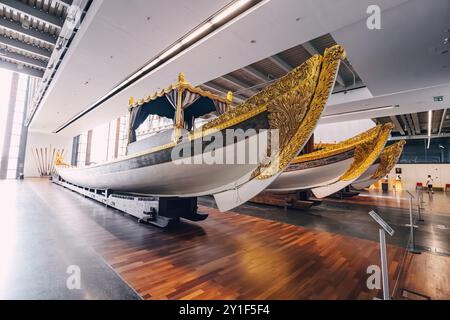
225, 150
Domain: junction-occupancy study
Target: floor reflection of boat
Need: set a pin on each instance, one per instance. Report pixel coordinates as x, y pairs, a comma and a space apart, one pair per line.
292, 105
382, 166
335, 166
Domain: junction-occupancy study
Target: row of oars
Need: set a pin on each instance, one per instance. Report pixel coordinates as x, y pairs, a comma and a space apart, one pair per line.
45, 159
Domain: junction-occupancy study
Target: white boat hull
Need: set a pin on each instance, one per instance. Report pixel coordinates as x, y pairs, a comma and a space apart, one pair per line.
171, 178
366, 180
310, 178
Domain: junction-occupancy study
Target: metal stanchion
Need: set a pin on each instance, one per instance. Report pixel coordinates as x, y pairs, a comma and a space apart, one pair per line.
412, 247
419, 203
384, 266
383, 252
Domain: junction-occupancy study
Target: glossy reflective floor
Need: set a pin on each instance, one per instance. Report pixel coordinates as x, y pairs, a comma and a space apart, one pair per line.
350, 217
256, 252
37, 247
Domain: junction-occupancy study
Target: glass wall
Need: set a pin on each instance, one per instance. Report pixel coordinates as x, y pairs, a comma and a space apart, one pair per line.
5, 85
19, 110
10, 133
416, 151
103, 143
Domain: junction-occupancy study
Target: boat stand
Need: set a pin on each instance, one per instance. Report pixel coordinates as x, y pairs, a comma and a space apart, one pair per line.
159, 211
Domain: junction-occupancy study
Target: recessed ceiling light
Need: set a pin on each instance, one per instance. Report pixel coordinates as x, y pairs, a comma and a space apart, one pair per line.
229, 10
298, 19
430, 116
253, 41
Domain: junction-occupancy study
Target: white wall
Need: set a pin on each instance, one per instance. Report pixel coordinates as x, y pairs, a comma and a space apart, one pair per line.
413, 173
337, 132
42, 140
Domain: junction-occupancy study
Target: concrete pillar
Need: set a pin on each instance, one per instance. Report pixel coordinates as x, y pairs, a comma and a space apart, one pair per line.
9, 126
23, 134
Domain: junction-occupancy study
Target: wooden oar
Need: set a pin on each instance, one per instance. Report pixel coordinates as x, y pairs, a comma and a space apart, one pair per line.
43, 164
41, 172
47, 160
50, 160
53, 161
35, 162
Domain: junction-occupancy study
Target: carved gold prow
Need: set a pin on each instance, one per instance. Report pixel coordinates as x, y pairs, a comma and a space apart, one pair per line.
388, 159
366, 153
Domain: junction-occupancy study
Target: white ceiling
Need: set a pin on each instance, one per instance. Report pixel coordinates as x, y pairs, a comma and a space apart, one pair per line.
120, 29
410, 101
117, 38
406, 53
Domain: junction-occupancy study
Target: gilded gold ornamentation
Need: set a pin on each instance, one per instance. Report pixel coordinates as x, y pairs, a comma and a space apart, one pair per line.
366, 153
184, 85
294, 103
388, 158
341, 147
295, 131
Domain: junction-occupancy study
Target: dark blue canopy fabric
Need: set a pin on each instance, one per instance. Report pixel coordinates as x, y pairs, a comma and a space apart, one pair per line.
160, 107
194, 106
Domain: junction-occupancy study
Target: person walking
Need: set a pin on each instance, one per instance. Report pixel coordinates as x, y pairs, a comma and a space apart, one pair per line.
429, 184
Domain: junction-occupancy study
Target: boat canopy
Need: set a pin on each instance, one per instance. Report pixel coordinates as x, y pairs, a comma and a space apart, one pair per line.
193, 103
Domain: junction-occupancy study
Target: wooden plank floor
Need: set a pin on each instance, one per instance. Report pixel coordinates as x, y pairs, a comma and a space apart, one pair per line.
228, 256
436, 203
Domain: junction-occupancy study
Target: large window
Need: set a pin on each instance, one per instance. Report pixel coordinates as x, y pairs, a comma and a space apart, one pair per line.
19, 110
103, 143
12, 114
5, 85
416, 151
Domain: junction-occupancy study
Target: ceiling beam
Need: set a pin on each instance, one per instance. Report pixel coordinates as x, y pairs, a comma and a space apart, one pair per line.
33, 12
20, 59
410, 123
66, 3
310, 48
22, 46
313, 51
244, 88
405, 121
280, 63
397, 125
32, 33
255, 73
442, 121
416, 122
420, 136
25, 70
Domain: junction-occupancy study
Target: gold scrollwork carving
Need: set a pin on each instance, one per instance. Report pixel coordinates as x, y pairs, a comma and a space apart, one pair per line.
329, 150
388, 159
296, 112
366, 153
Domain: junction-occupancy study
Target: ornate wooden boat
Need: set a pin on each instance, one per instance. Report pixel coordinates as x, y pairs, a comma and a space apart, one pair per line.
292, 105
382, 166
334, 166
